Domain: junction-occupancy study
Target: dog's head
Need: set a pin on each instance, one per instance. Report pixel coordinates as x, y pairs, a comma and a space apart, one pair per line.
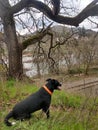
53, 84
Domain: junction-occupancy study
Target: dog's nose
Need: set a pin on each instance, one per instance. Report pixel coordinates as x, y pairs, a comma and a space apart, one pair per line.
60, 84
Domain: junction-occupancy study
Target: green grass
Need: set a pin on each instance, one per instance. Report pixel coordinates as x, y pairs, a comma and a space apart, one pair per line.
68, 111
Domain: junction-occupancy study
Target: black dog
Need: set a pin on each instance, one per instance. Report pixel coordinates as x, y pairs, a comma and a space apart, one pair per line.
39, 100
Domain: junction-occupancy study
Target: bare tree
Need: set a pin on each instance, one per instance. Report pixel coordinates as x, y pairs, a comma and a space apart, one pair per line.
88, 49
3, 60
7, 13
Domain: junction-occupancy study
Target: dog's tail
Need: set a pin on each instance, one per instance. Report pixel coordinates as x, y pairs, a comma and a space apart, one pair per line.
7, 118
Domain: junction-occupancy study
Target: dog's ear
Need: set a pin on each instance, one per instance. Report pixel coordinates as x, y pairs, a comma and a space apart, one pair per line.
48, 80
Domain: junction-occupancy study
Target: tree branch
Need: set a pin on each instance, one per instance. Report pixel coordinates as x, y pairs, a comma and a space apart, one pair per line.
35, 38
90, 10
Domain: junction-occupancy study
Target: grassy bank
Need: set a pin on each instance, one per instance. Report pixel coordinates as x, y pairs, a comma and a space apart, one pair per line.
68, 111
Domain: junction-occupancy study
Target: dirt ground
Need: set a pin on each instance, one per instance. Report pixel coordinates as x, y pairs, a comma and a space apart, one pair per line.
86, 86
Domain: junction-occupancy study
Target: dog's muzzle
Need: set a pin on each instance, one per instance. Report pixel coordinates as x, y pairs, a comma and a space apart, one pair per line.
59, 87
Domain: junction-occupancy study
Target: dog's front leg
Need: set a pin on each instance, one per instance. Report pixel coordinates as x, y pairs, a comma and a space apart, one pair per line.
46, 110
48, 113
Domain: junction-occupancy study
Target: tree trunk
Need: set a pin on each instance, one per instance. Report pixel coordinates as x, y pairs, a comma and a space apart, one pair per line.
14, 48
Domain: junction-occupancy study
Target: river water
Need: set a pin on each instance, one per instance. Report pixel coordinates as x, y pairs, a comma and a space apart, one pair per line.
30, 69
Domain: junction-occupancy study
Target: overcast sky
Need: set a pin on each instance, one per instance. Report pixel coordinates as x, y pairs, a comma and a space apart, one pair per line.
83, 3
87, 24
79, 5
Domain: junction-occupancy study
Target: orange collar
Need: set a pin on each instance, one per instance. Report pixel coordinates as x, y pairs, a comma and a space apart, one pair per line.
47, 90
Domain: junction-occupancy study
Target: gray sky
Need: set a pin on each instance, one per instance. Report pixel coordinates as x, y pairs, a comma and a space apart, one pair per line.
80, 4
83, 3
86, 23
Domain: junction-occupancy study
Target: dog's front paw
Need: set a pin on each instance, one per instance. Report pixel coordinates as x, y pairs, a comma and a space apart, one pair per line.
13, 123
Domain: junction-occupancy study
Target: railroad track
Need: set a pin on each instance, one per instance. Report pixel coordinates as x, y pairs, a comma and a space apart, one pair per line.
83, 86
